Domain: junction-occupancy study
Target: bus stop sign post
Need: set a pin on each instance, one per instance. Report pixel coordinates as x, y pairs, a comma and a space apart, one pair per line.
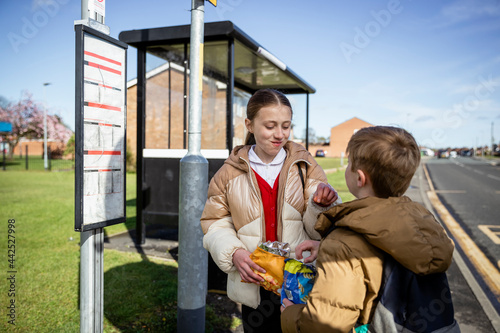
91, 260
100, 150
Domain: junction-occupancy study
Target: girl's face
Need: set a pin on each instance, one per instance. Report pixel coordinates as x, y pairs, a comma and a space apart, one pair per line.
271, 128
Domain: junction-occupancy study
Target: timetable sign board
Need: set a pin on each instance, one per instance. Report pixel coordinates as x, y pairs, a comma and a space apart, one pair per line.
100, 129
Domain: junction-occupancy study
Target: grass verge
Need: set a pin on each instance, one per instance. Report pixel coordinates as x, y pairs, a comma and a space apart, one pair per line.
330, 162
336, 179
139, 293
36, 163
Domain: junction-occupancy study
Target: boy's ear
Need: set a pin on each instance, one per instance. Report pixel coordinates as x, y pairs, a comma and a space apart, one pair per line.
362, 178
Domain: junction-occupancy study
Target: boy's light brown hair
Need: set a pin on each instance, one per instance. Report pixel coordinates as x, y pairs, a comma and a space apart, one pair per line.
389, 156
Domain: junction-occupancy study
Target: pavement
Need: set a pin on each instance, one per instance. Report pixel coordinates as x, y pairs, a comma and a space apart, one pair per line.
473, 311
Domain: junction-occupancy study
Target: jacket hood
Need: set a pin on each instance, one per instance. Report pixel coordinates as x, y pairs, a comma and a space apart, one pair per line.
398, 226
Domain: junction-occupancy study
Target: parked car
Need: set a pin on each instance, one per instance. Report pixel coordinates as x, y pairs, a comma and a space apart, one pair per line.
443, 153
466, 152
320, 153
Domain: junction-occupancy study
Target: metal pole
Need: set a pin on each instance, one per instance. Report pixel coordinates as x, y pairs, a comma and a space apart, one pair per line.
91, 264
307, 121
169, 102
26, 156
230, 95
193, 258
140, 226
186, 66
492, 139
87, 281
50, 158
85, 10
45, 161
3, 154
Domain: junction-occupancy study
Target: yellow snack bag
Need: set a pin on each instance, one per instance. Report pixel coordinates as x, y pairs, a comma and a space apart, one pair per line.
274, 265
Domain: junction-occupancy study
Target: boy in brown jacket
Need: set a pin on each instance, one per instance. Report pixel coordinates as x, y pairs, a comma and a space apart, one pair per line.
359, 236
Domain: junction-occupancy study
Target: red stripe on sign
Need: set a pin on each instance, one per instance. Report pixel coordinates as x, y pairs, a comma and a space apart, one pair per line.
103, 152
93, 64
105, 86
103, 106
103, 58
105, 170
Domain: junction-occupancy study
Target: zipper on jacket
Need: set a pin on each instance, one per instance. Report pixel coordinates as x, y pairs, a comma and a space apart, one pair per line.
262, 220
280, 207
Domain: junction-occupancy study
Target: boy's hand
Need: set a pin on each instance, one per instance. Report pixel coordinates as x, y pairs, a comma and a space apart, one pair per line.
286, 302
325, 195
308, 245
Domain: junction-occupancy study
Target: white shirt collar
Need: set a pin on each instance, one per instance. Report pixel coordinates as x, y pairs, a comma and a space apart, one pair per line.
278, 159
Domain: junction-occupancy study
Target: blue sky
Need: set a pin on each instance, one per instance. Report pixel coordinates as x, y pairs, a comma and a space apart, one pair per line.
432, 67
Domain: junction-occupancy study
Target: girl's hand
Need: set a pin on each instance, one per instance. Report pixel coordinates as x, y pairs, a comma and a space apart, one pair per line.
242, 261
286, 302
325, 195
308, 245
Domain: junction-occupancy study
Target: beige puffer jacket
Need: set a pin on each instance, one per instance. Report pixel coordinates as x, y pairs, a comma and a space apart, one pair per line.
233, 217
351, 257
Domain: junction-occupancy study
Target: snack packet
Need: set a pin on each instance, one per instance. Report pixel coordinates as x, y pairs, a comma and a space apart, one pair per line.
270, 256
298, 280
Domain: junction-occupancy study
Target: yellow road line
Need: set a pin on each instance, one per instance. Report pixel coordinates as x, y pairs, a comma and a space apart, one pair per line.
493, 235
451, 191
488, 271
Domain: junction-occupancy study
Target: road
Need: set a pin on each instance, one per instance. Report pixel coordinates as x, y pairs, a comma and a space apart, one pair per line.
470, 191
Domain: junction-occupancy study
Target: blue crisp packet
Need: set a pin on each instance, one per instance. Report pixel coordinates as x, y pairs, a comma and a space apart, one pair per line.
298, 280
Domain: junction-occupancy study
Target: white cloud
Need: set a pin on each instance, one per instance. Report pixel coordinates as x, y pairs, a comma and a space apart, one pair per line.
466, 10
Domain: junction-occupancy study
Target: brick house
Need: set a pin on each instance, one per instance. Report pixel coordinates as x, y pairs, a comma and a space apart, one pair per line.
339, 137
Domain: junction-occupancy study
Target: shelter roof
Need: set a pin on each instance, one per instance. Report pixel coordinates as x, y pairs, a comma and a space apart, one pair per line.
254, 66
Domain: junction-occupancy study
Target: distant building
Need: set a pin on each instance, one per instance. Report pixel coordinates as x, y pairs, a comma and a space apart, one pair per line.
340, 136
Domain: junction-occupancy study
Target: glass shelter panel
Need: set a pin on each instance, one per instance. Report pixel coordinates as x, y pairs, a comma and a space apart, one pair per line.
167, 96
299, 118
240, 101
256, 72
214, 103
164, 103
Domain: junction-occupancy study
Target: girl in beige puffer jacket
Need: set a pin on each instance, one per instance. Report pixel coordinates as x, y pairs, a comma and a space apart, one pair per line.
268, 189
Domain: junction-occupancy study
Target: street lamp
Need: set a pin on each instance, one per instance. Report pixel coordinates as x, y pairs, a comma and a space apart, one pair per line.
45, 158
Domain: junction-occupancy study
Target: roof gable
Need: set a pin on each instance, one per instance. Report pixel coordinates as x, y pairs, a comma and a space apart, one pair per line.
354, 121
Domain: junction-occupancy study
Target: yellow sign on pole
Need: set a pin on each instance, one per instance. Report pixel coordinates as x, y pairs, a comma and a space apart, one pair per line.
213, 2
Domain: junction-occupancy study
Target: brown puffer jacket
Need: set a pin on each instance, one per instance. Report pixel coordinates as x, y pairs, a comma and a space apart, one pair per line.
233, 217
350, 260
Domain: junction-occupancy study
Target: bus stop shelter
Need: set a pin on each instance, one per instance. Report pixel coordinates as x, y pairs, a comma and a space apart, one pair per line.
235, 66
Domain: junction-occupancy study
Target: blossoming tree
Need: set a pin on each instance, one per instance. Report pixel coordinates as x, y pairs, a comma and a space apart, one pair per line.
26, 117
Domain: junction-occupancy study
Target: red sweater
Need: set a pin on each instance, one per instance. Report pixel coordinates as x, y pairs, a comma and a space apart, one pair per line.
269, 199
